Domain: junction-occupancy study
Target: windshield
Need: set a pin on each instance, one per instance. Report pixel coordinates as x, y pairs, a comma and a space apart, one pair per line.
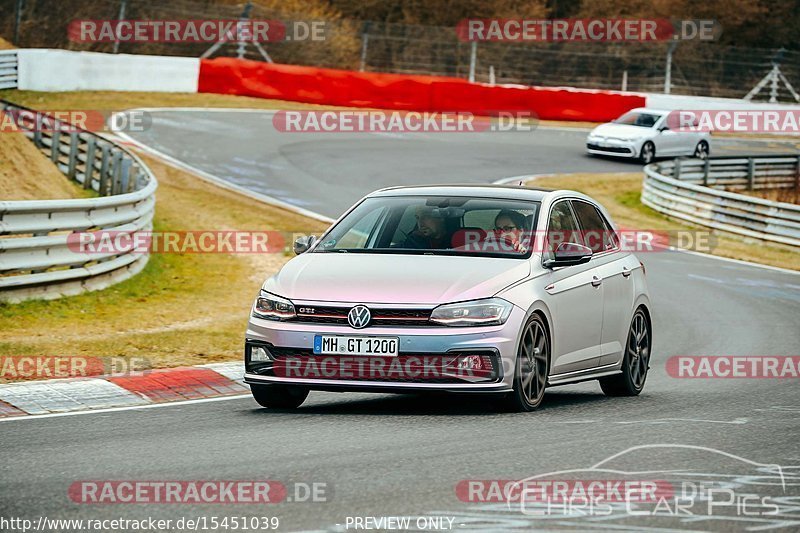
435, 225
635, 118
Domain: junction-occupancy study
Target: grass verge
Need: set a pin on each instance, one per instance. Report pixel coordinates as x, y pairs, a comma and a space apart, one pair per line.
118, 101
183, 308
620, 193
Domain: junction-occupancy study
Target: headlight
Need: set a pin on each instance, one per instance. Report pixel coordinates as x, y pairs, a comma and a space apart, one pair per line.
489, 312
273, 307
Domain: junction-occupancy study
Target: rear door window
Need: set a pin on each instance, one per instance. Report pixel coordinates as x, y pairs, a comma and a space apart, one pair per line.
595, 231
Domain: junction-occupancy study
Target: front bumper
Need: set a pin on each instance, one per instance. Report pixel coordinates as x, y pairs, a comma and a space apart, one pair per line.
613, 148
499, 342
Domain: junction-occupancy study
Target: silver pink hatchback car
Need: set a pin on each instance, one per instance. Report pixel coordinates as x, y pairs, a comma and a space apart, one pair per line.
482, 289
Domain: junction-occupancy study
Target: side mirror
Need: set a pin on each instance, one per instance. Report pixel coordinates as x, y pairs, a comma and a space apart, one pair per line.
662, 129
568, 254
302, 244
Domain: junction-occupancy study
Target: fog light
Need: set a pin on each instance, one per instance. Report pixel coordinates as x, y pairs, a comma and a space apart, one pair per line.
259, 354
471, 362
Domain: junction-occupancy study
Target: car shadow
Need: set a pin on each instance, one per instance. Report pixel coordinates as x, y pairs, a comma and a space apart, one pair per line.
630, 160
433, 405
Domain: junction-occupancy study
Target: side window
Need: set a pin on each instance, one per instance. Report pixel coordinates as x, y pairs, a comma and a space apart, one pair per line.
561, 227
596, 232
480, 218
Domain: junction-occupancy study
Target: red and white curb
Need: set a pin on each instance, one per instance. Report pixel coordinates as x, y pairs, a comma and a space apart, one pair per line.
151, 387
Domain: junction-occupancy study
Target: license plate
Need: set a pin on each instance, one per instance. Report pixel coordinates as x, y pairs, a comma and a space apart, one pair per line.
347, 345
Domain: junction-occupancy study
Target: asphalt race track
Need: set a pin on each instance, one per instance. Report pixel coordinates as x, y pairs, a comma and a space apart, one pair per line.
383, 455
328, 172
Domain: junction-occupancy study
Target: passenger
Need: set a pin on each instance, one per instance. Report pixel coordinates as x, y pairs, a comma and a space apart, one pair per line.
508, 226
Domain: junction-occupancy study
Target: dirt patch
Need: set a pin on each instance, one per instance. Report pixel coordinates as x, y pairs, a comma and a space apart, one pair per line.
789, 196
27, 174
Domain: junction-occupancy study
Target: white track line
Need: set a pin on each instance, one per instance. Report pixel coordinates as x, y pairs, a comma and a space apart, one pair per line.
216, 180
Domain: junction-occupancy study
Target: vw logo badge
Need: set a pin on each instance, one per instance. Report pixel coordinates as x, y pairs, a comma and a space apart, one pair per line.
359, 317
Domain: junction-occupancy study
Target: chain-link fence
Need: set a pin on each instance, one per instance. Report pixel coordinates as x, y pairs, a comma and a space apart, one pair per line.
696, 68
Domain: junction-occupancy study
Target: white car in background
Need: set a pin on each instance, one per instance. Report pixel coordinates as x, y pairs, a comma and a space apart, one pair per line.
644, 134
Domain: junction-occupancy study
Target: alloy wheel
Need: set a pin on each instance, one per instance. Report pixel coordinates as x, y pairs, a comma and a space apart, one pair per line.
532, 362
638, 350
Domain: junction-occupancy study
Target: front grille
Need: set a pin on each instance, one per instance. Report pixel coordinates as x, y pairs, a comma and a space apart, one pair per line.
405, 368
380, 316
613, 149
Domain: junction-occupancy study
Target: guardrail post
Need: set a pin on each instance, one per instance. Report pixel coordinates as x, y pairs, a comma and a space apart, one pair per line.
751, 173
706, 170
116, 169
89, 168
55, 147
104, 173
139, 181
797, 176
125, 173
73, 154
37, 137
676, 169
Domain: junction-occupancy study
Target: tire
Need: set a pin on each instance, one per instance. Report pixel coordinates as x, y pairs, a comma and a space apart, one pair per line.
701, 151
636, 361
531, 368
648, 153
279, 396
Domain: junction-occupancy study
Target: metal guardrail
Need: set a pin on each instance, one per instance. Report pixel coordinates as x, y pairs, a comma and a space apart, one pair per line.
38, 259
9, 60
689, 189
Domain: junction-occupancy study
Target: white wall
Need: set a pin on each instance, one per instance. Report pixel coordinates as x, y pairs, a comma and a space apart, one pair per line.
65, 70
679, 102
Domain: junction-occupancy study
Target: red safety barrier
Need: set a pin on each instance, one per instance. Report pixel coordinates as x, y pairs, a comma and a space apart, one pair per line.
398, 91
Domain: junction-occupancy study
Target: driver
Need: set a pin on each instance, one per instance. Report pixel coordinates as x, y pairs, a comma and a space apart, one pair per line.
430, 233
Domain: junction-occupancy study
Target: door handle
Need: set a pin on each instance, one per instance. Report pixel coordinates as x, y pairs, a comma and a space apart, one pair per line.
596, 281
626, 272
